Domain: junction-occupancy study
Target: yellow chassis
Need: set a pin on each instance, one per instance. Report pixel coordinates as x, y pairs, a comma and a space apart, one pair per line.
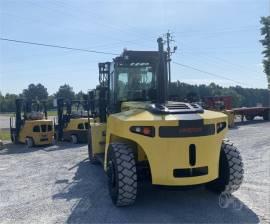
39, 138
163, 154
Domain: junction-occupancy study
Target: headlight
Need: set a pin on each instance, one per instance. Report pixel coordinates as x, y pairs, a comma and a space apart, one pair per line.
221, 126
143, 130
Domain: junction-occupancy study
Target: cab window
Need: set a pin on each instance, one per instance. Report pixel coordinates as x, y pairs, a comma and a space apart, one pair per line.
81, 126
49, 127
44, 128
36, 128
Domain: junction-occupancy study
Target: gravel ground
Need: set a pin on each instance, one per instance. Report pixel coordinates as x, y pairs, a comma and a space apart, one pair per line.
57, 184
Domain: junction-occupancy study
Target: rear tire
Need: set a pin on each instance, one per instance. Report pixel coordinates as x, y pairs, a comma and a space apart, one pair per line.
122, 174
74, 139
29, 142
231, 170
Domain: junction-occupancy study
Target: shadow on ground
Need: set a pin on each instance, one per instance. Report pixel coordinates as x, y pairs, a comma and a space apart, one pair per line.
10, 148
153, 205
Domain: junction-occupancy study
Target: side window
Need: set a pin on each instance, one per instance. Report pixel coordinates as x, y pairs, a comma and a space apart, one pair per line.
49, 127
36, 128
81, 126
122, 86
86, 126
43, 128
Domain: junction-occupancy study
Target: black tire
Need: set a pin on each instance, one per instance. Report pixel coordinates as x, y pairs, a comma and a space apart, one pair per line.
249, 117
29, 142
231, 170
266, 116
74, 139
122, 174
92, 159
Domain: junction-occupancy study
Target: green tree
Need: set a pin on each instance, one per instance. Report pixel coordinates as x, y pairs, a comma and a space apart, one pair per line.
265, 32
65, 91
79, 95
35, 92
7, 102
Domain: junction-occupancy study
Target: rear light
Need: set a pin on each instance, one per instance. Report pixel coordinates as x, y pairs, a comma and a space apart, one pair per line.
221, 126
143, 130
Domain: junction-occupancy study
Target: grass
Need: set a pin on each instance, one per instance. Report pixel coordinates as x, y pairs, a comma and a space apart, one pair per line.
52, 113
4, 135
7, 114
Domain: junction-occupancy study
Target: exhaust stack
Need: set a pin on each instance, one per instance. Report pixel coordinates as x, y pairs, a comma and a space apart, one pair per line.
162, 76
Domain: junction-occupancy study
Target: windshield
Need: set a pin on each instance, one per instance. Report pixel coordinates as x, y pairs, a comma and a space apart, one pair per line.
135, 82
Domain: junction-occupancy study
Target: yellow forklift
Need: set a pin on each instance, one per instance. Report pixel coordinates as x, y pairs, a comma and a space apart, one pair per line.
141, 133
32, 127
72, 121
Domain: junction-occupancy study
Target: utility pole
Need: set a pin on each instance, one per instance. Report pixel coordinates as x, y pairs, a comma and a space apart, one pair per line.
169, 39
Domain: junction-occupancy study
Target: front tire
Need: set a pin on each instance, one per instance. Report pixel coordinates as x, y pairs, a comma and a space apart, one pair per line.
74, 139
122, 174
231, 170
29, 142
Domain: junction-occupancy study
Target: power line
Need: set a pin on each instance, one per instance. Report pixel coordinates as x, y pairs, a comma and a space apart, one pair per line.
57, 46
209, 73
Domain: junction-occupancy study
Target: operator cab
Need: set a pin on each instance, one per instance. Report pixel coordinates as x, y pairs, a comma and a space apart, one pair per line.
138, 76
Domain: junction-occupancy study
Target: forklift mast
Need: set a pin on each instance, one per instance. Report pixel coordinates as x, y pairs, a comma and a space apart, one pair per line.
60, 111
18, 121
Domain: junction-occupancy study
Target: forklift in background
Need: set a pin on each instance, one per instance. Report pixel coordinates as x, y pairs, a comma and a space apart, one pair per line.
140, 132
32, 127
72, 121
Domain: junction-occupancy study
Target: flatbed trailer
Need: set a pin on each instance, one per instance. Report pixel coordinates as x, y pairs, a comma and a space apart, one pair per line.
251, 112
224, 104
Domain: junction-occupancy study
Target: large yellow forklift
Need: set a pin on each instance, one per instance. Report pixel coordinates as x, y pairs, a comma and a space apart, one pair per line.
72, 121
140, 132
33, 127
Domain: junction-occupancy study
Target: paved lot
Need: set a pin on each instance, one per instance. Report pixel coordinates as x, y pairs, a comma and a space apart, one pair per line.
57, 184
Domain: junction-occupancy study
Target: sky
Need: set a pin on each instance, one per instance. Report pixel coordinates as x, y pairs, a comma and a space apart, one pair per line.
220, 37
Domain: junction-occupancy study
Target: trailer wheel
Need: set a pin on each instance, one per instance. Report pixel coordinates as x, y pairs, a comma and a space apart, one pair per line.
74, 139
249, 117
230, 170
266, 116
122, 174
29, 142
